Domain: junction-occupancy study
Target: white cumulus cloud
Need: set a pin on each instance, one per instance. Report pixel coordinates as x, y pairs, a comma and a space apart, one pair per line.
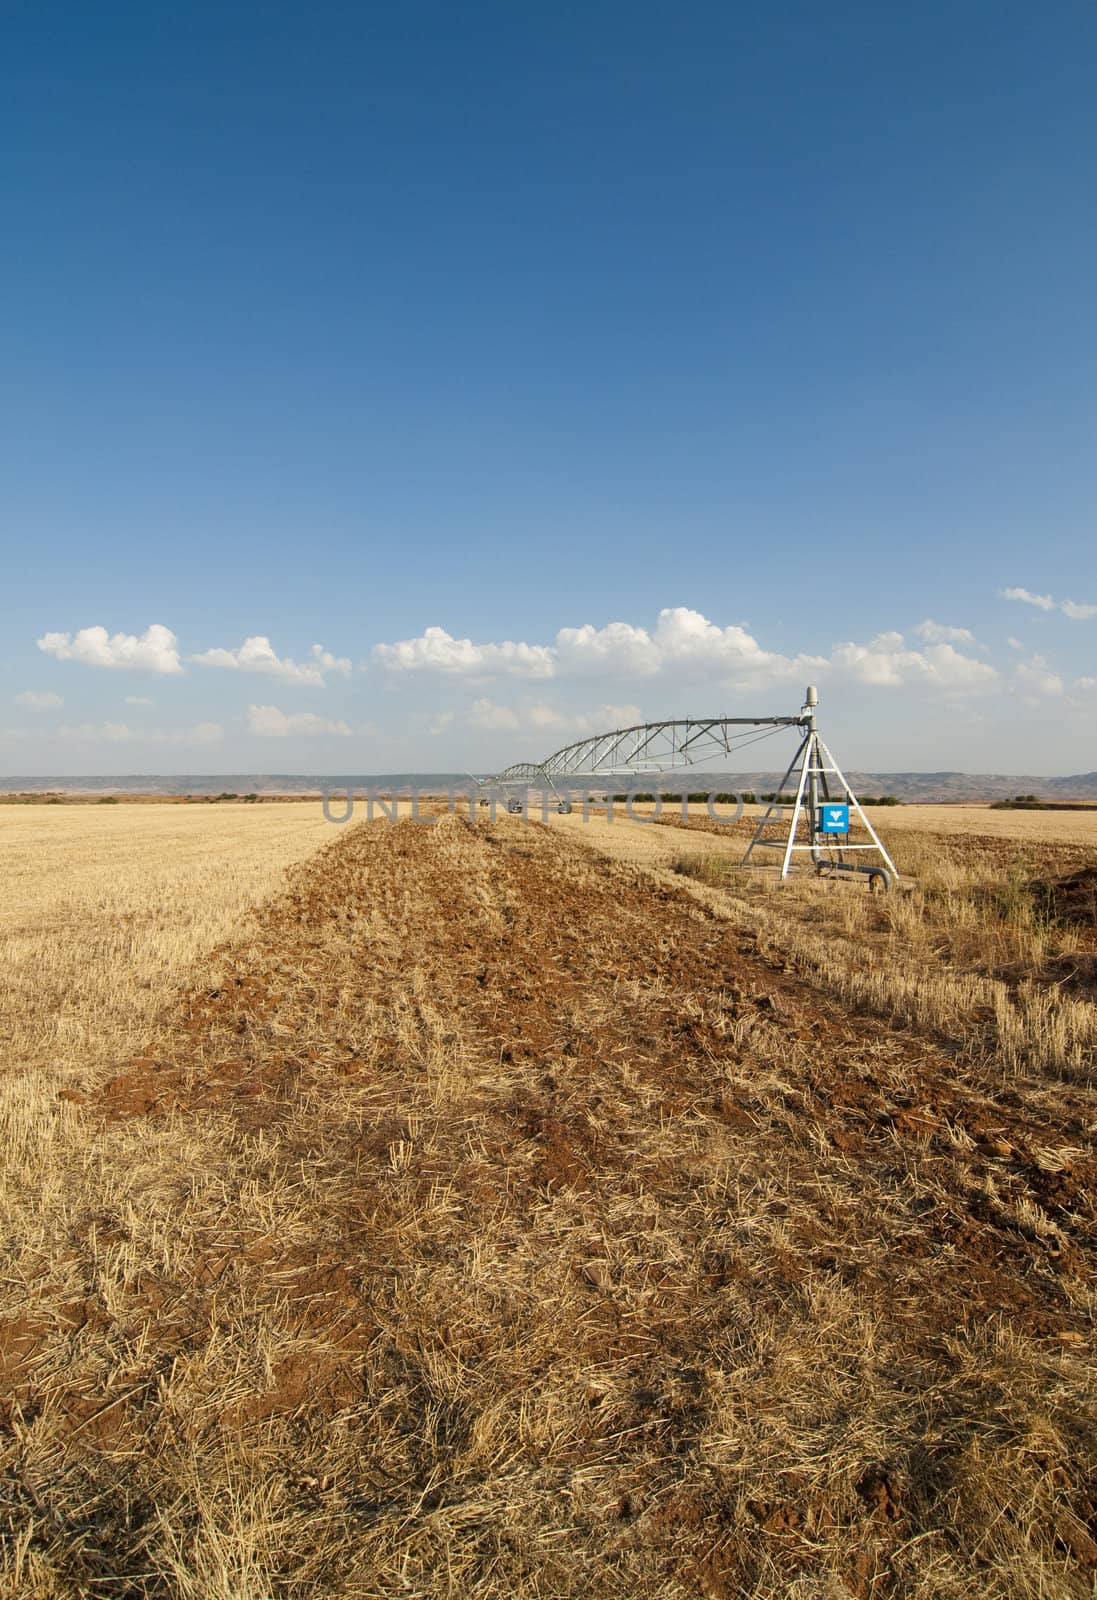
201, 733
888, 662
39, 700
155, 650
1038, 676
686, 647
257, 654
619, 650
485, 713
435, 650
139, 700
1043, 602
271, 723
542, 715
941, 633
1076, 610
682, 640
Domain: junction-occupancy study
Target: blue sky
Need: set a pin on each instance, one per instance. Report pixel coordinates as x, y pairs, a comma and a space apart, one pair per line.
693, 351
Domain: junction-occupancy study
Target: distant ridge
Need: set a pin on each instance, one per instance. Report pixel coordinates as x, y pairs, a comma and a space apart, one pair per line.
927, 788
265, 783
912, 787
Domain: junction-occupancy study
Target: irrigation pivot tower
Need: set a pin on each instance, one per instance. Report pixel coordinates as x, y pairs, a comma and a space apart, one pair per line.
827, 815
654, 747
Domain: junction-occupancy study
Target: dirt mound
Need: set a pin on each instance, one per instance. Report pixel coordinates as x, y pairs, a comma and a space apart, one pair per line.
1071, 898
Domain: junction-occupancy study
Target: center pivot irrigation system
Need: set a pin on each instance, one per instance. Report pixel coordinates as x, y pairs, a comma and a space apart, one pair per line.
824, 800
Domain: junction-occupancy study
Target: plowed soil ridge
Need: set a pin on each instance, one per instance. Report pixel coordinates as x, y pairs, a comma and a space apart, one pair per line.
504, 1225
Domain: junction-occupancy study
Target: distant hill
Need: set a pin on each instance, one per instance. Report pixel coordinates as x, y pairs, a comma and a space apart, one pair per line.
944, 787
911, 787
237, 783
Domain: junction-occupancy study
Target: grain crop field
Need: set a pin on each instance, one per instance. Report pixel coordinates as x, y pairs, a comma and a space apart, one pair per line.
1065, 827
1039, 827
104, 906
520, 1210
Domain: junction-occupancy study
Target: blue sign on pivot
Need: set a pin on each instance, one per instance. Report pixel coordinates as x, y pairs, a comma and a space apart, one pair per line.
833, 819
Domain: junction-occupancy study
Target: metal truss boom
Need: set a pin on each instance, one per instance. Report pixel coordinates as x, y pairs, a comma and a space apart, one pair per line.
644, 747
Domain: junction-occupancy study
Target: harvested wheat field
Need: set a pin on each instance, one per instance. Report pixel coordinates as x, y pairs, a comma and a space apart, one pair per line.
524, 1211
104, 907
1065, 826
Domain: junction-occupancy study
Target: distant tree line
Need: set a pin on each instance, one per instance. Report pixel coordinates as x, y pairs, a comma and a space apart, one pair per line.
1032, 802
696, 798
226, 794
